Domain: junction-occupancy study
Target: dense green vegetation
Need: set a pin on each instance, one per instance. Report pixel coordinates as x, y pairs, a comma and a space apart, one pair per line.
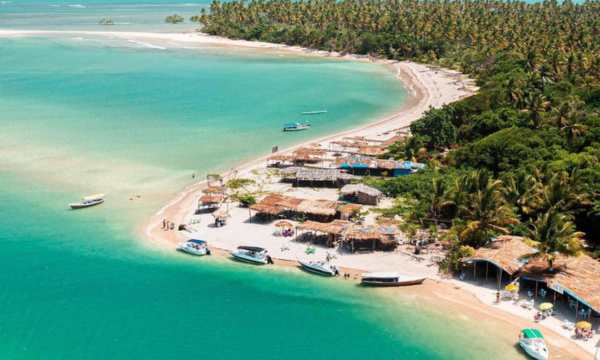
523, 155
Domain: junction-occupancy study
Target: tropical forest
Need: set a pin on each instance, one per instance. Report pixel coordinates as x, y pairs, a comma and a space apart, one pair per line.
520, 157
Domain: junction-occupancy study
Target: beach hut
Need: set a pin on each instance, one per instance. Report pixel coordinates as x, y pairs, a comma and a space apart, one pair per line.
316, 177
277, 205
573, 279
371, 237
330, 232
365, 165
209, 202
506, 254
347, 211
361, 193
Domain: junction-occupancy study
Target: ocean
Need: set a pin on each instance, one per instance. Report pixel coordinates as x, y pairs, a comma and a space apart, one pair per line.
138, 120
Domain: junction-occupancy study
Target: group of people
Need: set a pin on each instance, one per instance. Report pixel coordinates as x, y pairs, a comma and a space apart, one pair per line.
168, 225
584, 334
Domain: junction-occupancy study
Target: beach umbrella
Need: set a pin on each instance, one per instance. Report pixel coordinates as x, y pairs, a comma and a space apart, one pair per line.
284, 224
583, 325
546, 306
511, 287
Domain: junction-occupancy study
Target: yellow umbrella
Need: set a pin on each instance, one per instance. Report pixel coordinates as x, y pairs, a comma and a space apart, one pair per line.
546, 306
583, 325
511, 287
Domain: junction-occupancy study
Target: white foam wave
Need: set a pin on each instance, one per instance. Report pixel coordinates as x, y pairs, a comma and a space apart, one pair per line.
147, 45
77, 6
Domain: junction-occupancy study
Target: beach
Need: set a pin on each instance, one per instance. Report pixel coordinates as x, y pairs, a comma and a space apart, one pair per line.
427, 87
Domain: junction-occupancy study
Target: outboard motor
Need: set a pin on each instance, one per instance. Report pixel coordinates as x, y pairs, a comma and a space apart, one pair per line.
269, 260
208, 251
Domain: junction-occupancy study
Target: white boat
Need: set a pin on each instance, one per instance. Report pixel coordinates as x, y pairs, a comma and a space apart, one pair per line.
315, 112
390, 279
296, 126
252, 254
87, 201
532, 342
194, 247
319, 267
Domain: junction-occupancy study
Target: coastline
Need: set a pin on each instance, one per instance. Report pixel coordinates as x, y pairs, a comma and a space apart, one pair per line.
416, 79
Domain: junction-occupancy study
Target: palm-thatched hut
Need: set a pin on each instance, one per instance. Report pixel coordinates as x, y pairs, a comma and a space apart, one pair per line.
361, 193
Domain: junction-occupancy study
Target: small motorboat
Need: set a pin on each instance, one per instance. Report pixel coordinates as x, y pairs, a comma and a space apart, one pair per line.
296, 126
252, 254
87, 201
314, 112
194, 247
319, 267
532, 342
390, 279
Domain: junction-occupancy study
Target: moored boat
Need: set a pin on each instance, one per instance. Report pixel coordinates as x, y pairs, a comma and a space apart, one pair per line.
87, 201
532, 342
252, 254
314, 112
194, 247
319, 267
390, 279
296, 126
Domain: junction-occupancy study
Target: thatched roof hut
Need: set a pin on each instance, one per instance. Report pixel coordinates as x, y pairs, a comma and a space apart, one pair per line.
336, 227
577, 276
211, 199
509, 253
361, 194
276, 204
300, 176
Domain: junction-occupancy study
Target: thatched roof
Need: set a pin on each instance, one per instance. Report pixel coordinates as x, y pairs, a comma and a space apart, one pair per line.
214, 190
275, 204
211, 199
352, 189
317, 207
509, 253
335, 227
301, 154
363, 233
315, 174
577, 275
348, 209
371, 150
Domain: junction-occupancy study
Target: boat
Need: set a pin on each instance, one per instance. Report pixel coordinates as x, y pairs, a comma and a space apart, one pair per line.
315, 112
532, 342
194, 247
296, 126
319, 267
87, 201
252, 254
389, 279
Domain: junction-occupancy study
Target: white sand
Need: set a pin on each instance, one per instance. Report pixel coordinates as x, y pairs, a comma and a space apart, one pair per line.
428, 87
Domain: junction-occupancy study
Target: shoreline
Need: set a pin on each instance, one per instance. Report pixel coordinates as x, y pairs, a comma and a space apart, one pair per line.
417, 79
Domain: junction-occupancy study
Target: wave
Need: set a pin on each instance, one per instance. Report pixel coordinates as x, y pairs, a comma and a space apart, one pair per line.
77, 6
147, 45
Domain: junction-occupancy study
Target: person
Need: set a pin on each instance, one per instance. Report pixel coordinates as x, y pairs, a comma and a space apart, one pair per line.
497, 297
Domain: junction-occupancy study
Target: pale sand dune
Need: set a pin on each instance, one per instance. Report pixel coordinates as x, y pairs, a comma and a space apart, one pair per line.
427, 87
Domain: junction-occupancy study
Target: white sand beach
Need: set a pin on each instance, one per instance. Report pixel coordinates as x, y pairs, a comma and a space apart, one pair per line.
428, 87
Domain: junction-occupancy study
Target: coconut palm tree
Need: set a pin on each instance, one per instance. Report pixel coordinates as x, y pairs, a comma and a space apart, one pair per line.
553, 233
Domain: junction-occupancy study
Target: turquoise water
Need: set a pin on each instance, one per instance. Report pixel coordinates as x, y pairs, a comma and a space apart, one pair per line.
84, 114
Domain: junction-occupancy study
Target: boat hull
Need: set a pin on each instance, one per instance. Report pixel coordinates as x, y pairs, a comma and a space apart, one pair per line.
375, 283
78, 206
194, 252
296, 129
247, 259
314, 270
532, 353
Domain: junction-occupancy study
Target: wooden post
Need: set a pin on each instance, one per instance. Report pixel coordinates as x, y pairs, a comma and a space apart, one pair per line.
536, 288
576, 310
474, 270
487, 266
499, 277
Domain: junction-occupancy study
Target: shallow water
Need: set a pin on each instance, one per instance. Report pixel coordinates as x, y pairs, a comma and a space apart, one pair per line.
85, 114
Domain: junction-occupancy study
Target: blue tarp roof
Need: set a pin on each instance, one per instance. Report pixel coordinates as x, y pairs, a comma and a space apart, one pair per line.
197, 241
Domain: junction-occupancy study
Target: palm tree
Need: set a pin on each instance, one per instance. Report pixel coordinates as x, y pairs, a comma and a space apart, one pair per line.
553, 233
486, 212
